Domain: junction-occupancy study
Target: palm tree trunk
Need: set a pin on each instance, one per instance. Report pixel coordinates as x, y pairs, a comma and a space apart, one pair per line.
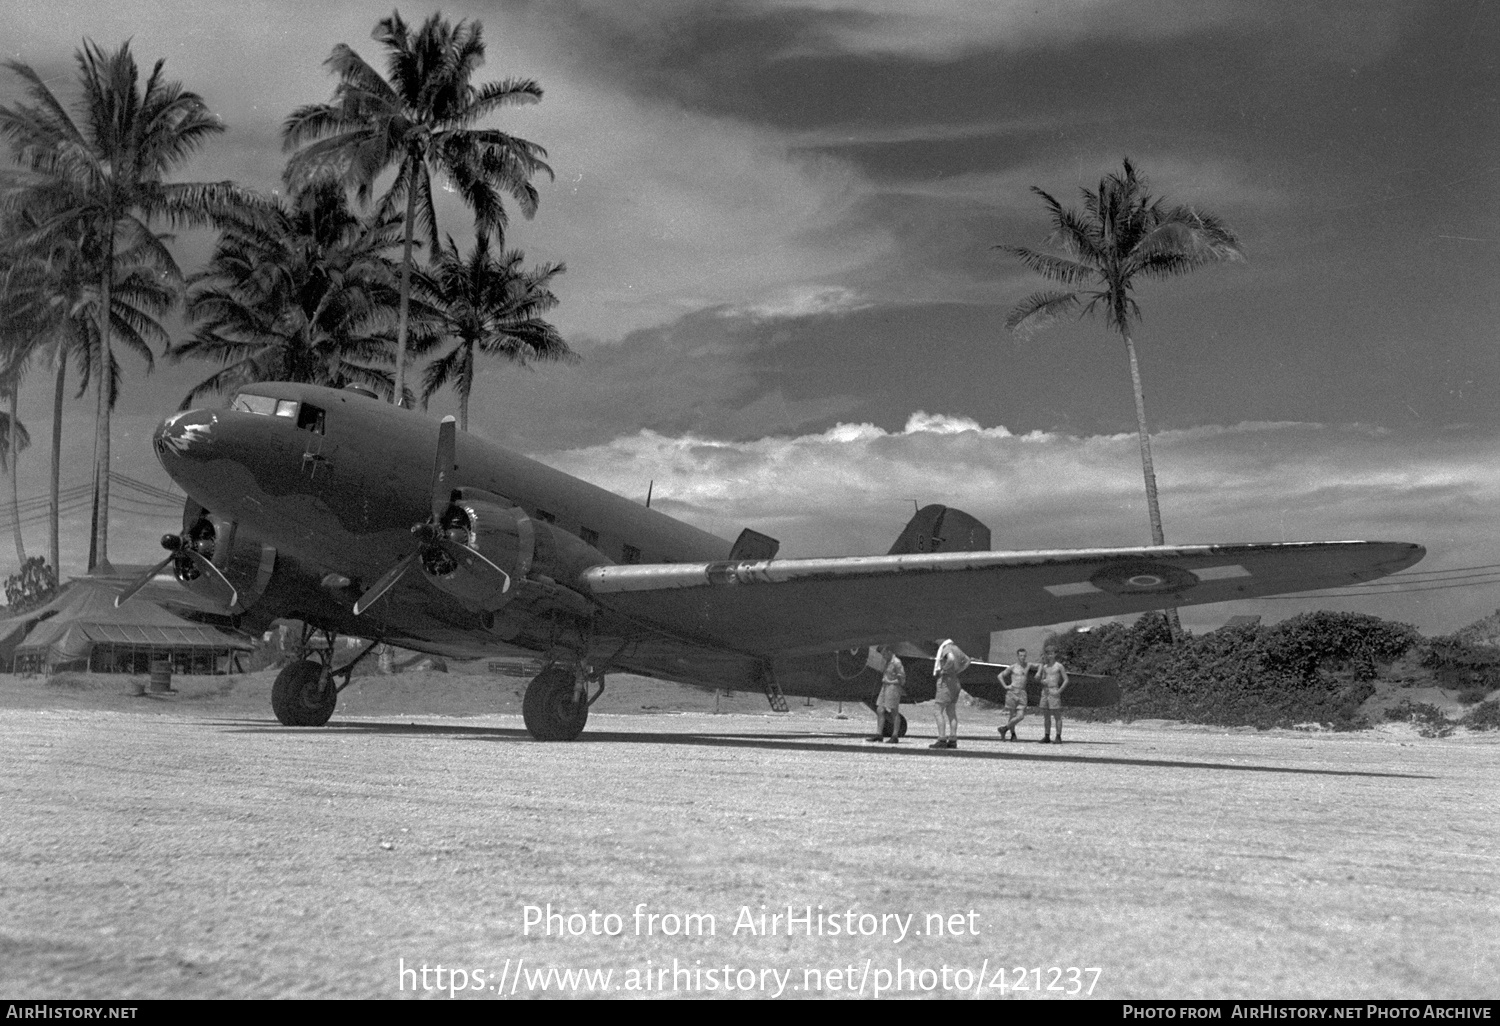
15, 467
465, 386
1153, 509
101, 416
53, 548
399, 394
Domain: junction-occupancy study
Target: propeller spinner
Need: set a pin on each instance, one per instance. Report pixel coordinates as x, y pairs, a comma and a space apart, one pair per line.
438, 552
183, 554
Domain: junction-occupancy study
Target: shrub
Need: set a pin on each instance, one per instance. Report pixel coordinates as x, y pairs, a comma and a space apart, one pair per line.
1429, 719
1483, 717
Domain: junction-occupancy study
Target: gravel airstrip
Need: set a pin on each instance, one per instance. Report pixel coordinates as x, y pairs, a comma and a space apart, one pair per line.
190, 846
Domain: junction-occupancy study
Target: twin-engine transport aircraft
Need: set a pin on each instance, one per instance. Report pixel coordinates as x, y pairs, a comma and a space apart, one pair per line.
314, 504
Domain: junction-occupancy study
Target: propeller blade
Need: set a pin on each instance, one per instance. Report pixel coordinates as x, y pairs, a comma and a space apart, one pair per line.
206, 566
463, 553
386, 583
442, 472
141, 581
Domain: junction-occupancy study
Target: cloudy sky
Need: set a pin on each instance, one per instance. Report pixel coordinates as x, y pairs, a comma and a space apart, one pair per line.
779, 219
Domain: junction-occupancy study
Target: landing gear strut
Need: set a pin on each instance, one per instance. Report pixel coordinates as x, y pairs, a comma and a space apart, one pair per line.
304, 693
553, 707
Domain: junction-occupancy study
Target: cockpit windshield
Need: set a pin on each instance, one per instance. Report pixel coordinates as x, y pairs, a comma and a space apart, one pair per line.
264, 405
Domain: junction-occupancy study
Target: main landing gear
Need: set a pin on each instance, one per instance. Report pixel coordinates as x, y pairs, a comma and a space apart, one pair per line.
304, 693
556, 704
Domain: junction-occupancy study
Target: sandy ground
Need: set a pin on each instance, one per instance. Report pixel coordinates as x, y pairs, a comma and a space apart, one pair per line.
190, 846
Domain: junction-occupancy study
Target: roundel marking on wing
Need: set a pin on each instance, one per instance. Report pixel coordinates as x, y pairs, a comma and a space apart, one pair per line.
851, 662
1143, 578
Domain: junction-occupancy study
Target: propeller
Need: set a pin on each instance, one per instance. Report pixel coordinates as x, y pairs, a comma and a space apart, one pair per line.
182, 549
434, 548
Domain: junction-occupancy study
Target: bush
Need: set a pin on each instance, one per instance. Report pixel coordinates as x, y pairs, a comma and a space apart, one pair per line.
1473, 669
1429, 719
1483, 717
1314, 667
32, 586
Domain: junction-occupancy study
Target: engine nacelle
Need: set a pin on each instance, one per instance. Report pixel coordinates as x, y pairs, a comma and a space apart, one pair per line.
509, 539
245, 561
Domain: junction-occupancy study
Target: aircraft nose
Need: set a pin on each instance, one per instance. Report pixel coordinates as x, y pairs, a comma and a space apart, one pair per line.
184, 436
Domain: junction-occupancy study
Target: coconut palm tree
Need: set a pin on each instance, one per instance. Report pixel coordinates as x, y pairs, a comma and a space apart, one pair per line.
13, 438
50, 305
298, 290
103, 175
1123, 235
490, 305
418, 119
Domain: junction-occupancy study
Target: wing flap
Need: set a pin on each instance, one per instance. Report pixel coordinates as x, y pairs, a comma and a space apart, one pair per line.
791, 606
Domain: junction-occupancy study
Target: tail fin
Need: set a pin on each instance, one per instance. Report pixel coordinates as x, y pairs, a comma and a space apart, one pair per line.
941, 529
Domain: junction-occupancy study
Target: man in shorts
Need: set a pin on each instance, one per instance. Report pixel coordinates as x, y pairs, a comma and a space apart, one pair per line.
1014, 677
1054, 682
947, 668
888, 704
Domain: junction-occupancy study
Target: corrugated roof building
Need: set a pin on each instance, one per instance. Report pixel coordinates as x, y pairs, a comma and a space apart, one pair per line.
82, 629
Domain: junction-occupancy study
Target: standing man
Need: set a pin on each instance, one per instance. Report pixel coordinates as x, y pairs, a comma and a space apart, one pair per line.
888, 704
946, 670
1054, 682
1014, 677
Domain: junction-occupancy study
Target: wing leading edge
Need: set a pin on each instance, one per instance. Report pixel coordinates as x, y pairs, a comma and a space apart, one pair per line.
792, 606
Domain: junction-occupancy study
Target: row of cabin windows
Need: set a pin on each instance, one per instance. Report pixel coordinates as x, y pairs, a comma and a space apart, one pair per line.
589, 536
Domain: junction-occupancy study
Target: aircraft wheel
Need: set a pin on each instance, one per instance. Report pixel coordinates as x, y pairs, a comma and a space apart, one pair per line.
299, 697
885, 730
548, 707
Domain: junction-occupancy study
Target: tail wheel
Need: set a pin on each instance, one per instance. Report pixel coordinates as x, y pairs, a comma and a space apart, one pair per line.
301, 697
549, 708
885, 729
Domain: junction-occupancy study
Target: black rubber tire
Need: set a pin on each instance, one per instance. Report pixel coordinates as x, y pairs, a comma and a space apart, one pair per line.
885, 730
548, 707
296, 696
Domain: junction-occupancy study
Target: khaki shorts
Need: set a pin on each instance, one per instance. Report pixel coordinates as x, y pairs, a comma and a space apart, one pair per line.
947, 692
890, 698
1050, 701
1014, 701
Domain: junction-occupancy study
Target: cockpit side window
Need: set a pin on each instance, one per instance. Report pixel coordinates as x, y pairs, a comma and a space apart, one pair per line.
266, 406
247, 403
310, 418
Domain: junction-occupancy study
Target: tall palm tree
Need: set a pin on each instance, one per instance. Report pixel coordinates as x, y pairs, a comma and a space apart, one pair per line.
1123, 234
490, 305
104, 175
418, 119
51, 303
13, 438
300, 290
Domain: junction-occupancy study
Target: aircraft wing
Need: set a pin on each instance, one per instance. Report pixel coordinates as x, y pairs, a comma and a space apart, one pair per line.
803, 606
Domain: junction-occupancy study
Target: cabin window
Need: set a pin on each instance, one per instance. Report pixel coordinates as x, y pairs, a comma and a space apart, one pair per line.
545, 517
286, 408
310, 418
630, 554
589, 536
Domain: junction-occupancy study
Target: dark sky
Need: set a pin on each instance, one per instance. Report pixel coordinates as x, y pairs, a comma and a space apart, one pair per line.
779, 222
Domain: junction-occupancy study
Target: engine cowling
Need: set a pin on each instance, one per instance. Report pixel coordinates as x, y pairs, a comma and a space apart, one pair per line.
508, 538
246, 562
